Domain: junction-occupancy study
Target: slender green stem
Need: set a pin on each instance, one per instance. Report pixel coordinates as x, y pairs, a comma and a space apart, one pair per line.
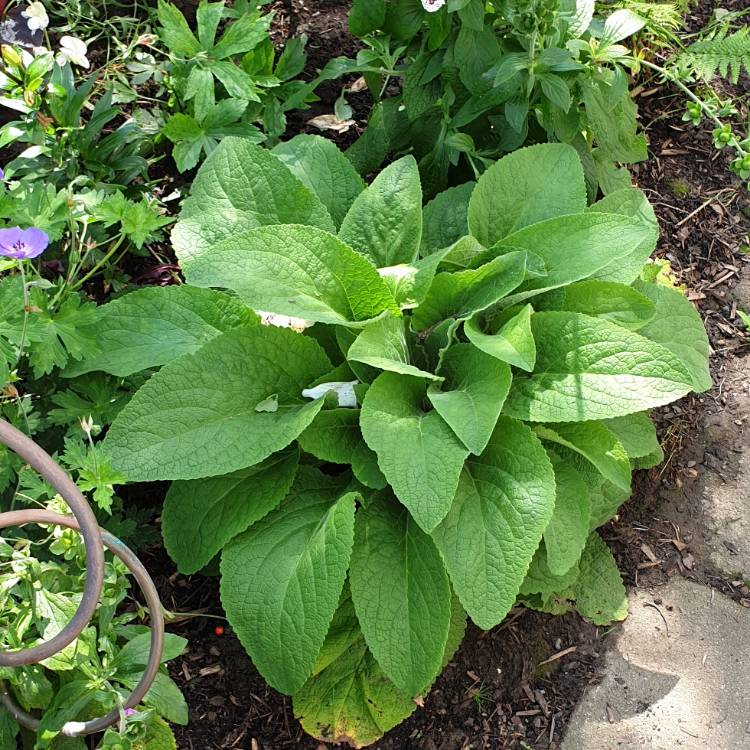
112, 250
22, 345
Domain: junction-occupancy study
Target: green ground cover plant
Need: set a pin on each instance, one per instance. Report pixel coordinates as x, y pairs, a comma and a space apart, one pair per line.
385, 416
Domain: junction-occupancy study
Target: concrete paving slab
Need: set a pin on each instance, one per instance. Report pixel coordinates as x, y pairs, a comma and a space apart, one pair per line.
677, 678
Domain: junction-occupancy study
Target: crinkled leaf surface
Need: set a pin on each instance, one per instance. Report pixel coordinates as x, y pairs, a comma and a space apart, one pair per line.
460, 295
629, 202
197, 416
401, 594
599, 591
526, 187
609, 300
282, 579
566, 533
320, 166
385, 221
637, 434
349, 699
334, 436
418, 453
153, 326
295, 270
678, 326
513, 343
241, 186
504, 501
588, 368
444, 219
472, 397
594, 441
384, 344
202, 515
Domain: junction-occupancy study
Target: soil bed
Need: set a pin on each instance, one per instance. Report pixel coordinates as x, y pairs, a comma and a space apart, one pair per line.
516, 686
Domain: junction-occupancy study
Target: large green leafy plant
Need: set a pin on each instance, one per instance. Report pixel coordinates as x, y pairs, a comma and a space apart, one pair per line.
455, 407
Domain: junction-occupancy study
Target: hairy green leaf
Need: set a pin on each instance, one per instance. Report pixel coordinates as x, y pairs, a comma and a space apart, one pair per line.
513, 343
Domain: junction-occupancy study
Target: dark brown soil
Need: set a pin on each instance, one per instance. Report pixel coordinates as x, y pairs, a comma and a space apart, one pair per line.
498, 693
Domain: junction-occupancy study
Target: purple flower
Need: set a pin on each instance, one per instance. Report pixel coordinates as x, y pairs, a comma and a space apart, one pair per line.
2, 174
130, 712
22, 244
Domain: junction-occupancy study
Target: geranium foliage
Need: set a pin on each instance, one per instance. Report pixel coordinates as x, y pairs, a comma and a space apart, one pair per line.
448, 402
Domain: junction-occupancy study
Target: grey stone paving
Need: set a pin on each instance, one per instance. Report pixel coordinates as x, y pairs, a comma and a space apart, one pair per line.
677, 678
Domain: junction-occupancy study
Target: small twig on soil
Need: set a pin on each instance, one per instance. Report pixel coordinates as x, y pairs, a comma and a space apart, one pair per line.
558, 655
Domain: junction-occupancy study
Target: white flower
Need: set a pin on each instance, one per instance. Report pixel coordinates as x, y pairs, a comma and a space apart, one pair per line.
431, 6
283, 321
74, 51
37, 17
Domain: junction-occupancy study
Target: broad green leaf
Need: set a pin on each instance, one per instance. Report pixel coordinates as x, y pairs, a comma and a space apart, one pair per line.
295, 270
334, 436
526, 187
631, 202
320, 166
135, 653
542, 581
366, 16
504, 501
282, 579
599, 592
418, 452
208, 17
401, 594
241, 186
384, 344
8, 731
159, 736
351, 700
385, 221
197, 416
462, 254
459, 295
678, 326
456, 630
588, 368
472, 397
596, 443
566, 533
175, 32
409, 284
513, 343
637, 434
572, 248
152, 326
70, 700
244, 34
202, 515
444, 219
601, 299
163, 696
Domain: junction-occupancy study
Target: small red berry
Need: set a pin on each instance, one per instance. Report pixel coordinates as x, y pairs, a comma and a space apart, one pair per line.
219, 630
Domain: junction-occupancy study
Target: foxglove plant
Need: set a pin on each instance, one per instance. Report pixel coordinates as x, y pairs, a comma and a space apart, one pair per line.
445, 438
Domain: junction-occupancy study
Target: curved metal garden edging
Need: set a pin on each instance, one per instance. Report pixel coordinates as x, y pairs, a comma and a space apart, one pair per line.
94, 538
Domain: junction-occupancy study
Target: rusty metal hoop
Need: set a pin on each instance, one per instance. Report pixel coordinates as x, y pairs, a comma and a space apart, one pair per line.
94, 538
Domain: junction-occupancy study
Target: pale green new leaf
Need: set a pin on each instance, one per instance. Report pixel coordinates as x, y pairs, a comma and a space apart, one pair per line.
596, 443
472, 397
320, 166
444, 219
633, 203
384, 344
513, 343
282, 579
385, 221
566, 533
401, 594
459, 295
295, 270
334, 436
637, 434
678, 326
526, 187
600, 595
197, 416
588, 368
202, 515
152, 326
504, 501
418, 453
241, 186
609, 300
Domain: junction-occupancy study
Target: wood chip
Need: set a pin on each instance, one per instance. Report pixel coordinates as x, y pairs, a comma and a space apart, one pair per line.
558, 655
649, 553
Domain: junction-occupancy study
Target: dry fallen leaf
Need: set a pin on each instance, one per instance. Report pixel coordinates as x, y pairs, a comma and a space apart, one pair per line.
331, 122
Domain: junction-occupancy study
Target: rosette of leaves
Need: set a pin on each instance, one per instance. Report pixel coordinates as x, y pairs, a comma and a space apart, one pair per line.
461, 411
